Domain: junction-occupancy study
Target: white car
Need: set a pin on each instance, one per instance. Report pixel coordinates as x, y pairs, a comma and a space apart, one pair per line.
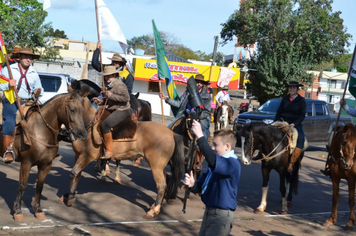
53, 84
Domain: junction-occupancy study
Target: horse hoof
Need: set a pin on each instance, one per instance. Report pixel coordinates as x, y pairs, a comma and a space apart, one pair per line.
258, 212
40, 215
349, 228
70, 202
18, 217
118, 180
62, 199
107, 169
170, 201
284, 212
103, 180
148, 216
328, 224
289, 204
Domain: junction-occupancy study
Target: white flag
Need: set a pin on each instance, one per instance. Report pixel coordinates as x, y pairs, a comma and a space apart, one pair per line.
46, 4
109, 29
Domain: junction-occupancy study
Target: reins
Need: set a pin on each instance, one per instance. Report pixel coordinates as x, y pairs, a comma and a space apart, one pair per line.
268, 157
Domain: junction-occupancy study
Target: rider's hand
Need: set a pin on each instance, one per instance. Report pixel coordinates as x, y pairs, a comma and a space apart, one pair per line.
342, 102
12, 83
161, 95
189, 179
96, 100
196, 128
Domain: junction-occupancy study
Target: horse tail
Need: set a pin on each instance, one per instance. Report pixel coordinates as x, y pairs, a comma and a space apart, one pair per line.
177, 165
294, 177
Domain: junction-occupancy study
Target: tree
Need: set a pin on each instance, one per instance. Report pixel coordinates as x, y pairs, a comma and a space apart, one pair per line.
290, 38
22, 24
56, 33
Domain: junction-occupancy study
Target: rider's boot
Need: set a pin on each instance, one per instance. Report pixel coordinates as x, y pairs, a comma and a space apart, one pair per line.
8, 158
326, 170
108, 146
294, 158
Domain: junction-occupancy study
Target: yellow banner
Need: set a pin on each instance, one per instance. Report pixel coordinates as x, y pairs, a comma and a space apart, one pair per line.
146, 69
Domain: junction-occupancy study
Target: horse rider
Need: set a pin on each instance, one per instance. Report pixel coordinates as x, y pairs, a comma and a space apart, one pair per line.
118, 61
292, 110
351, 112
117, 98
27, 83
222, 96
187, 99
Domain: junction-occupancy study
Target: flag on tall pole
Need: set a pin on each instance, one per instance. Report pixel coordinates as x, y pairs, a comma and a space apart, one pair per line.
163, 68
46, 4
9, 94
109, 29
352, 75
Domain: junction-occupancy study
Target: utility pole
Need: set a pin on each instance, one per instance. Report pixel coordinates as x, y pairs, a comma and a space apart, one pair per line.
215, 48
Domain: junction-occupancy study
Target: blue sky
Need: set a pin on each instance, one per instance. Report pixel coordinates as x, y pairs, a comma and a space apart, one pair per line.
193, 23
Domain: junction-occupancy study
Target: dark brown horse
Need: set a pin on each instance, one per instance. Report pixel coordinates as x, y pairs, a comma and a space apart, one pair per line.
273, 150
342, 166
157, 143
44, 123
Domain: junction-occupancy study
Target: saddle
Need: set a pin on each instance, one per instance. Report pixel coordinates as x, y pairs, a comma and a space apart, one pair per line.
292, 135
126, 131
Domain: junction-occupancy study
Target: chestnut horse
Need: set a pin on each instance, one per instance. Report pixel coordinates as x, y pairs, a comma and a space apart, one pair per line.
273, 150
44, 123
342, 166
157, 143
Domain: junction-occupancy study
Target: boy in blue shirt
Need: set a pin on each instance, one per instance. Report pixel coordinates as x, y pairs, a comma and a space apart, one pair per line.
218, 184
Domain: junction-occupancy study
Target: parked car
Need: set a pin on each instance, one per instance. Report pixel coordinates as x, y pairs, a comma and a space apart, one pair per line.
54, 84
318, 123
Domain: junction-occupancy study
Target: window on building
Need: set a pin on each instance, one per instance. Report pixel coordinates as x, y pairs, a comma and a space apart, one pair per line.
153, 87
332, 83
307, 95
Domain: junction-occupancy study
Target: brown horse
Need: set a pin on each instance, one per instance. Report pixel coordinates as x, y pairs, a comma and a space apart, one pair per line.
157, 143
44, 123
342, 167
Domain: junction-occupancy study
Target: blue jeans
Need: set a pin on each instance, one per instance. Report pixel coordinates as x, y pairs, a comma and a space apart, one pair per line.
301, 136
9, 117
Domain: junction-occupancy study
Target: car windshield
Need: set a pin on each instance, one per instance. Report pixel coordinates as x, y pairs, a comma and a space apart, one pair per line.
270, 106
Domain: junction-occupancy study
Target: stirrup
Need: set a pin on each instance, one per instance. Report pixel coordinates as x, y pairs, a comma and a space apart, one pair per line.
325, 172
13, 156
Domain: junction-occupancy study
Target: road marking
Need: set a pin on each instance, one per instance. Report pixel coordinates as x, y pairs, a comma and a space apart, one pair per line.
307, 214
102, 223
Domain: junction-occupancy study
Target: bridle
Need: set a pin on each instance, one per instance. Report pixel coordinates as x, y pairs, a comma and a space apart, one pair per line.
269, 156
343, 159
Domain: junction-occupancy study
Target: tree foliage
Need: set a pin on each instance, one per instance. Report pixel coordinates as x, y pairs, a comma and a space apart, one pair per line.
56, 33
290, 37
22, 24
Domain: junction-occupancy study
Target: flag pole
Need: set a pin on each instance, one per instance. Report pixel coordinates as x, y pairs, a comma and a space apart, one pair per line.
160, 90
100, 53
343, 95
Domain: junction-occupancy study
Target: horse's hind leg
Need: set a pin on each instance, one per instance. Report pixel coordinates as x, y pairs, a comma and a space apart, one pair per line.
159, 175
117, 172
282, 189
350, 224
41, 176
24, 174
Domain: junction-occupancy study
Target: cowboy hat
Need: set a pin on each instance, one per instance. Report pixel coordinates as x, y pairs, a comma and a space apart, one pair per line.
200, 77
28, 51
109, 70
225, 87
294, 84
117, 57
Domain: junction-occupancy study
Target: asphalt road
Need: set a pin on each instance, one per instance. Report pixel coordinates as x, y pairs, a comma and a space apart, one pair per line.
113, 209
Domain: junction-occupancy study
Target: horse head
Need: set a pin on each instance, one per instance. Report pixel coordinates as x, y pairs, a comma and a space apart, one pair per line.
344, 144
74, 113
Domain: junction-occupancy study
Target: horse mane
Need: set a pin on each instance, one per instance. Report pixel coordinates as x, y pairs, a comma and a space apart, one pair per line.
349, 130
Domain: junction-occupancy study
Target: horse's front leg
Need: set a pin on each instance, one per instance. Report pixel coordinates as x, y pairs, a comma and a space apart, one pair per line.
350, 224
282, 189
117, 172
159, 175
333, 217
41, 176
24, 174
263, 204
